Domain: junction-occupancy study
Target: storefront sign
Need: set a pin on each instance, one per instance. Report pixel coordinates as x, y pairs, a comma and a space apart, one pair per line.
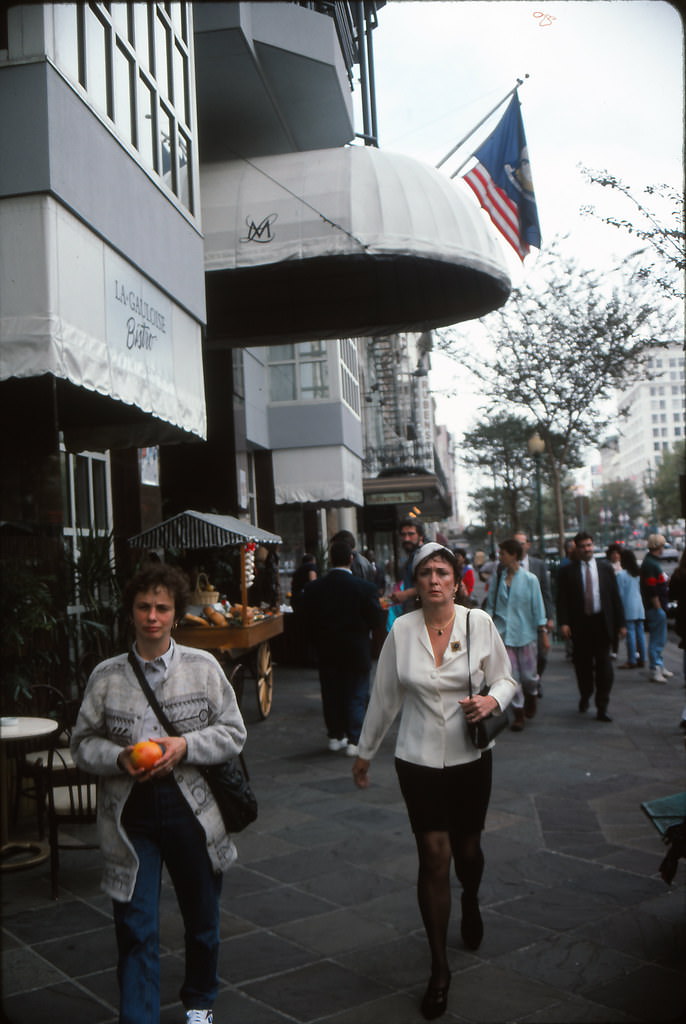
138, 321
395, 498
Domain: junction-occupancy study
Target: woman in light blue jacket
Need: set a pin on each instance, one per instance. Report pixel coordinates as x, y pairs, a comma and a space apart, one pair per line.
628, 581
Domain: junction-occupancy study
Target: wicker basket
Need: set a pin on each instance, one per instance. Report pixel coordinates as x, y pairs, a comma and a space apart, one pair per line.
202, 594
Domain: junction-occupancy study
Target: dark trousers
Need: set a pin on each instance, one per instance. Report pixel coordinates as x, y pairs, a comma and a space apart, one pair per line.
591, 657
163, 829
345, 695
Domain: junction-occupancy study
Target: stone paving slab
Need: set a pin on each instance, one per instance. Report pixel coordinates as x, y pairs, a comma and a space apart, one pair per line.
319, 918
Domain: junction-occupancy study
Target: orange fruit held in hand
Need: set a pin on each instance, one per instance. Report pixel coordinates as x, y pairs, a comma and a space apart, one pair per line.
146, 754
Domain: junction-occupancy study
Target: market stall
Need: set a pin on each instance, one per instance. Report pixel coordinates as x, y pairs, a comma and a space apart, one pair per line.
237, 632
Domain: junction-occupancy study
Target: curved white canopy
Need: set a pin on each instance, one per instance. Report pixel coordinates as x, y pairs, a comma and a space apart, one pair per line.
337, 242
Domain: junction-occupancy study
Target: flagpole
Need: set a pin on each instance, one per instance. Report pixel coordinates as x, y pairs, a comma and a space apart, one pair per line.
520, 81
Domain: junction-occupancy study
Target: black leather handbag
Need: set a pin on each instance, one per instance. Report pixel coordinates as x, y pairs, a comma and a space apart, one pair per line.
229, 782
483, 732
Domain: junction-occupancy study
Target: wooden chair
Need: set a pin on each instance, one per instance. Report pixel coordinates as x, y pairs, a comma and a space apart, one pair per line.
42, 701
71, 801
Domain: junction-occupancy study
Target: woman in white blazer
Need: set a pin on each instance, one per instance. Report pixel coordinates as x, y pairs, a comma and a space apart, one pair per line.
445, 780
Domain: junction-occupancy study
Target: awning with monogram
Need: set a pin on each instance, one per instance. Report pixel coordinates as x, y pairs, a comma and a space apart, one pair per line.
342, 242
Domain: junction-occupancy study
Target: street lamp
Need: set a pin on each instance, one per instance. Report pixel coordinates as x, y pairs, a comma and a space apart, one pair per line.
536, 448
605, 516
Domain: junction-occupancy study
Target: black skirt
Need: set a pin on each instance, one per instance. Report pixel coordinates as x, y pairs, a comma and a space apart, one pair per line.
453, 799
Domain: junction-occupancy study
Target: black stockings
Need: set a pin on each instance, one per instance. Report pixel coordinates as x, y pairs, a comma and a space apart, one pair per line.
435, 850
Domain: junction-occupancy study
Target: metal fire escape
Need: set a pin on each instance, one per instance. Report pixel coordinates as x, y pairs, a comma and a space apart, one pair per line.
396, 442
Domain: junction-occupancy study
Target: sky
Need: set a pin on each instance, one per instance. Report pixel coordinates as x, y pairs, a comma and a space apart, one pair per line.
605, 89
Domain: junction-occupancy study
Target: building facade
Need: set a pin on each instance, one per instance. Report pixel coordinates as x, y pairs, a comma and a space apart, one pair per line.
203, 265
655, 419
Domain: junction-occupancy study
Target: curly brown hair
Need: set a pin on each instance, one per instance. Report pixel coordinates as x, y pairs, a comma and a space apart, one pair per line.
152, 576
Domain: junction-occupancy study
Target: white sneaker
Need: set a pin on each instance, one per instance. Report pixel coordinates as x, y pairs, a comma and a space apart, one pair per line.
656, 676
338, 744
199, 1017
666, 673
351, 750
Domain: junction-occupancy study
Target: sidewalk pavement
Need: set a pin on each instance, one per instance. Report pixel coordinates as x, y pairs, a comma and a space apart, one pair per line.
320, 921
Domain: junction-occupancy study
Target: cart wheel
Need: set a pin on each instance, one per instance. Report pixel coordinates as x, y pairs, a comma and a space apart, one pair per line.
237, 680
265, 678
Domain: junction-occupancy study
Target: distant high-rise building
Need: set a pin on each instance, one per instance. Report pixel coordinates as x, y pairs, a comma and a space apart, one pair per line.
655, 419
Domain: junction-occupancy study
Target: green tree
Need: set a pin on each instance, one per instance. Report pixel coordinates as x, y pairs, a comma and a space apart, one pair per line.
663, 258
613, 508
565, 341
497, 446
665, 486
487, 504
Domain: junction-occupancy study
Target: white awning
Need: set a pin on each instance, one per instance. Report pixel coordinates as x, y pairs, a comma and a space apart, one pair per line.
126, 358
329, 475
342, 242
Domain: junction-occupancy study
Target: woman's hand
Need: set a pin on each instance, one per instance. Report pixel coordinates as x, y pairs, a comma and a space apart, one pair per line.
479, 706
361, 773
174, 749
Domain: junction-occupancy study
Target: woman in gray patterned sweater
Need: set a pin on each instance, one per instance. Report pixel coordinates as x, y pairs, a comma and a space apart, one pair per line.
164, 814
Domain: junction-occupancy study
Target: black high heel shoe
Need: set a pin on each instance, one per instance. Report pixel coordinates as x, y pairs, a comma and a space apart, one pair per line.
435, 1001
472, 929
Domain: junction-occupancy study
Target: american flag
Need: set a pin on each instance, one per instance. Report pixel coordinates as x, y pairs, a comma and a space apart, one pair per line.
501, 180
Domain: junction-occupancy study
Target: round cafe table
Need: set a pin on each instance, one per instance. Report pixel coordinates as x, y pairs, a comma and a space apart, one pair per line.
21, 735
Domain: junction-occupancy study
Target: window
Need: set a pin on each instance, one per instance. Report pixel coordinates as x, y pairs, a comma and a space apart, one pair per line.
350, 379
87, 502
133, 63
298, 372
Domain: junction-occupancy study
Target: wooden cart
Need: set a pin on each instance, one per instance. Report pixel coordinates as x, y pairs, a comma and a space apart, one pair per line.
243, 648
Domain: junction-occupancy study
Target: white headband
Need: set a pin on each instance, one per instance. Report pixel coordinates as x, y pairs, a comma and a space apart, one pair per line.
426, 550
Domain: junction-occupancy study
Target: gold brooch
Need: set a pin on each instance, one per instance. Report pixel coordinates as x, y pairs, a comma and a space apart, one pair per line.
455, 645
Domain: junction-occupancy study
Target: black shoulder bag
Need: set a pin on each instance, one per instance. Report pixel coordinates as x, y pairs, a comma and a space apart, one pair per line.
486, 729
228, 782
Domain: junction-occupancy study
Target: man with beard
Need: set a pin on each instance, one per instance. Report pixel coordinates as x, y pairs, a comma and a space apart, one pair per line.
411, 539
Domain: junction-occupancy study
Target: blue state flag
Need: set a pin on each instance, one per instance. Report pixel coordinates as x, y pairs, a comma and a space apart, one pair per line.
502, 182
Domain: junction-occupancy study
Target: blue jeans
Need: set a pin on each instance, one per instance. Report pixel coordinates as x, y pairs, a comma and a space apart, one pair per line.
164, 830
635, 641
656, 624
345, 694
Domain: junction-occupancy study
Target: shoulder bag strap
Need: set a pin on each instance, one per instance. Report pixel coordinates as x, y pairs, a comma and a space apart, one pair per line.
152, 699
469, 667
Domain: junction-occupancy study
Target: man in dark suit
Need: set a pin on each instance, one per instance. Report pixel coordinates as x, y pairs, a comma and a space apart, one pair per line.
589, 610
340, 611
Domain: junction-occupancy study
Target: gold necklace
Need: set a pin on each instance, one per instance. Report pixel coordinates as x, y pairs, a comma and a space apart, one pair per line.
440, 629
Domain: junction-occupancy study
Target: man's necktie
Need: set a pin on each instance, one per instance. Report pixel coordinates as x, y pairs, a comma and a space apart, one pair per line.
588, 591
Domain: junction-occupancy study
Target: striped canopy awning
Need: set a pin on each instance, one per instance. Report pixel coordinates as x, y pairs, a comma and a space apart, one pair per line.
191, 530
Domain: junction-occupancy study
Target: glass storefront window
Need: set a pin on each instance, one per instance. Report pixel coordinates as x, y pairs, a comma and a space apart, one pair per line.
120, 20
181, 94
161, 56
282, 383
123, 92
82, 493
314, 381
97, 61
66, 39
185, 180
133, 63
142, 38
99, 469
146, 128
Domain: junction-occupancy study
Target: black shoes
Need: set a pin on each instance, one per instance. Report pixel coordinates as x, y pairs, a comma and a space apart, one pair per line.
472, 929
530, 705
603, 716
583, 704
435, 1001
